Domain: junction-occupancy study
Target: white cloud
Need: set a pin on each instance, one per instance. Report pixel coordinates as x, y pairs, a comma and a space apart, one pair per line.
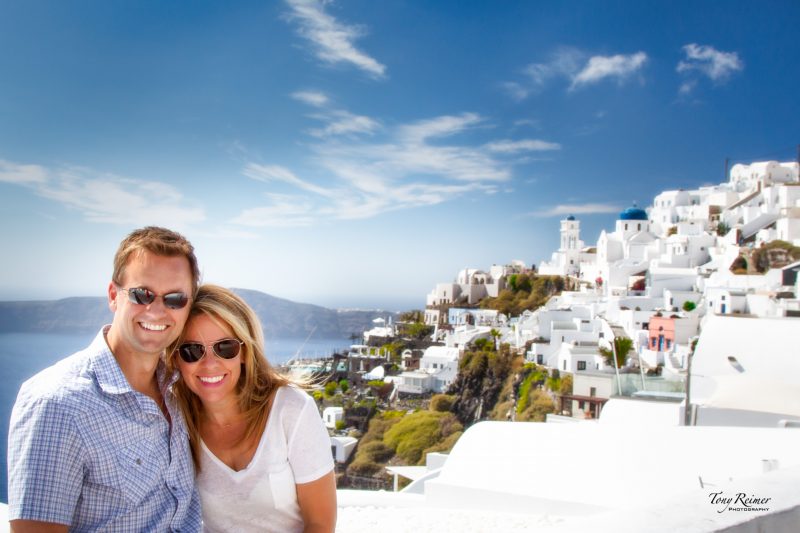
600, 67
562, 63
516, 90
524, 145
269, 173
21, 174
442, 126
284, 211
571, 64
106, 198
687, 87
576, 209
717, 65
413, 165
333, 41
344, 123
313, 98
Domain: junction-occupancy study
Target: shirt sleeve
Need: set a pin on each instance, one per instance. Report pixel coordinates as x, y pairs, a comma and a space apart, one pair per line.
45, 466
309, 445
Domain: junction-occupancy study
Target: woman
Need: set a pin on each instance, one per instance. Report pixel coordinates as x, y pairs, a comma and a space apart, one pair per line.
262, 453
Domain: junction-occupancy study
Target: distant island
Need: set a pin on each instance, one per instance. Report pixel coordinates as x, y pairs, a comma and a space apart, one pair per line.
280, 318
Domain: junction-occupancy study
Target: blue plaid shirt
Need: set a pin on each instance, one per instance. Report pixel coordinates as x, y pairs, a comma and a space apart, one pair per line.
84, 449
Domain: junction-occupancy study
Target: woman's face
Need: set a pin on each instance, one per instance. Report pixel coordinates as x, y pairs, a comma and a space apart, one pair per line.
212, 378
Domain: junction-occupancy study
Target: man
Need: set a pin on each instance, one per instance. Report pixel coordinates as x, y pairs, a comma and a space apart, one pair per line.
96, 441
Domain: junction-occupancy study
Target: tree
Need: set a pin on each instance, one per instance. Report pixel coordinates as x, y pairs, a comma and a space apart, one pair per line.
344, 385
723, 229
495, 335
481, 344
689, 305
412, 316
418, 330
622, 345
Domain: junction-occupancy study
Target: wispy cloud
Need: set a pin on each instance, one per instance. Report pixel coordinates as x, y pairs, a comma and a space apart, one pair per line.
333, 41
283, 211
618, 66
563, 63
314, 98
524, 145
336, 121
411, 165
577, 68
105, 198
718, 66
345, 123
575, 209
22, 174
271, 173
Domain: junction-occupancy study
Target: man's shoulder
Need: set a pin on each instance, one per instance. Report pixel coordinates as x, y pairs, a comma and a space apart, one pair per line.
69, 380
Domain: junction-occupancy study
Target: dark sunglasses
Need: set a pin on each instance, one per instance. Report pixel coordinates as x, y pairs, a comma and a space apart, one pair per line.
192, 352
142, 296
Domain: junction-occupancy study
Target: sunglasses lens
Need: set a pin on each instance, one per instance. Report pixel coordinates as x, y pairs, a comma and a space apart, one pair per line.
191, 352
176, 300
141, 296
227, 349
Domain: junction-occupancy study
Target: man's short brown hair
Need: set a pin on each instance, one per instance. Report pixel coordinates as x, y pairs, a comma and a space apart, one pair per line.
159, 241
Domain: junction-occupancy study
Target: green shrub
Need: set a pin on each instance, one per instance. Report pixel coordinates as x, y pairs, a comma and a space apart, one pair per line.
524, 392
330, 389
376, 451
442, 403
419, 431
340, 425
540, 405
344, 385
445, 445
689, 305
362, 466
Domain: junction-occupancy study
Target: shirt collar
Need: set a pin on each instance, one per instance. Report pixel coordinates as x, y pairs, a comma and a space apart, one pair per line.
109, 375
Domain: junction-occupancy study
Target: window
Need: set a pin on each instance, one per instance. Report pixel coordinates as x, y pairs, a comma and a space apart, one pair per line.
653, 342
581, 405
581, 365
669, 343
565, 364
592, 391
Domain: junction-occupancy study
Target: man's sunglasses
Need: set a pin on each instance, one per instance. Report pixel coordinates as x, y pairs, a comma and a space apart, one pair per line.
192, 352
142, 296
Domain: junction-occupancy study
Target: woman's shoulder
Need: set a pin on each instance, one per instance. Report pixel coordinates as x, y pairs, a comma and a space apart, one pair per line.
292, 396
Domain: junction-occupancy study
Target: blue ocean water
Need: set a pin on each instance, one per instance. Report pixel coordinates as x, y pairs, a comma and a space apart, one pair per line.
24, 354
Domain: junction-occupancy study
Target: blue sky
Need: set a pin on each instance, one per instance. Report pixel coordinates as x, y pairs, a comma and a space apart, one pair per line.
354, 153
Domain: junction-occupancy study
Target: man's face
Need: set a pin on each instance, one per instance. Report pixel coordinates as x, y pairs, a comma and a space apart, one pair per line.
148, 329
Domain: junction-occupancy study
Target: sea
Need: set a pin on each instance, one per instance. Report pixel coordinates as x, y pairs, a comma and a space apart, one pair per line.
24, 354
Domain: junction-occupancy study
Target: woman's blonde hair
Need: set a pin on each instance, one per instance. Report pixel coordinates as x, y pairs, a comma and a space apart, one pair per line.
258, 380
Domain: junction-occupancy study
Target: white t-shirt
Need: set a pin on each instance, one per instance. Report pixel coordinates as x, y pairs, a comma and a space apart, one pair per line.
295, 448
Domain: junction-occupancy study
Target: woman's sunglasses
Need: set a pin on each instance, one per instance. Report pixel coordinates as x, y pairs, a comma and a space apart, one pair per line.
192, 352
142, 296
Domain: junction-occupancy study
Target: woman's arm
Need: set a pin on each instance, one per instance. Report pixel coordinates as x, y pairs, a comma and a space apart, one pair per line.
317, 501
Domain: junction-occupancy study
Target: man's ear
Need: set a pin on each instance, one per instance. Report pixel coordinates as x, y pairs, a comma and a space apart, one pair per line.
112, 296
